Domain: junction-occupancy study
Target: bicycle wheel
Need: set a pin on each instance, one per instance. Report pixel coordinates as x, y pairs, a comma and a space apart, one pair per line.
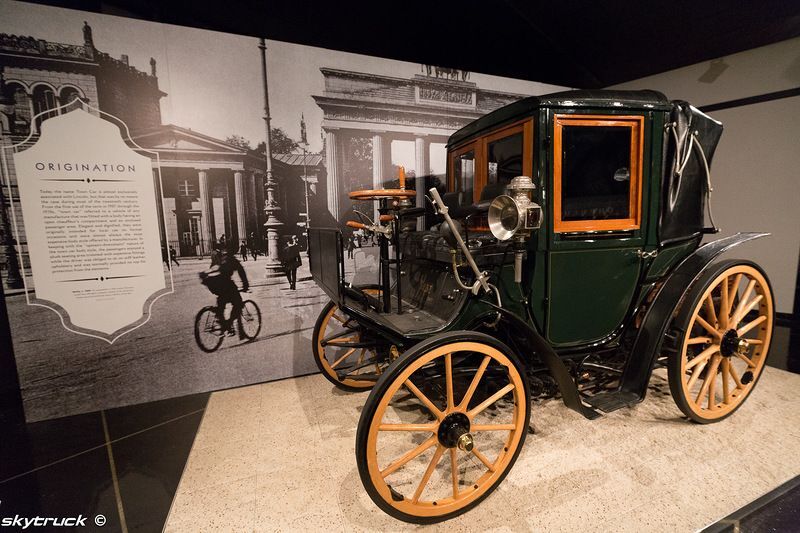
250, 320
207, 330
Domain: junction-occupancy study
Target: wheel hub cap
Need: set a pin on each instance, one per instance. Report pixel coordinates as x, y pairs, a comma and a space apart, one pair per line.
454, 431
731, 344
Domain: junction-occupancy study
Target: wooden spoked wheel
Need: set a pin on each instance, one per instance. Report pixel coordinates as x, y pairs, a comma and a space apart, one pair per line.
338, 349
727, 329
442, 427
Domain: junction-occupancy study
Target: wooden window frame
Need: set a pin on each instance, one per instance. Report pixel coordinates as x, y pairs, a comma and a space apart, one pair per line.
634, 221
481, 147
474, 146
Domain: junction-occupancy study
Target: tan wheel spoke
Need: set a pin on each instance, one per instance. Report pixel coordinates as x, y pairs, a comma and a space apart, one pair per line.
361, 356
744, 329
408, 427
702, 356
724, 304
416, 452
739, 315
492, 427
696, 374
341, 340
454, 471
337, 317
712, 313
474, 385
734, 288
424, 399
712, 388
746, 359
735, 377
726, 375
738, 311
708, 327
490, 400
711, 376
342, 358
431, 467
448, 376
482, 458
699, 340
754, 342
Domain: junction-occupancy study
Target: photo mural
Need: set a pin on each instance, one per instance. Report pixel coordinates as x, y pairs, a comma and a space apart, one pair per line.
139, 193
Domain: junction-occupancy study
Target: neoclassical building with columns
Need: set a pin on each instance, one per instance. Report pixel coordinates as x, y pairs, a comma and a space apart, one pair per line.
211, 189
424, 109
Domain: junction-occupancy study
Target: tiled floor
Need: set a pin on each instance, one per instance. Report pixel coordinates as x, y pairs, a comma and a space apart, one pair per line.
279, 456
123, 464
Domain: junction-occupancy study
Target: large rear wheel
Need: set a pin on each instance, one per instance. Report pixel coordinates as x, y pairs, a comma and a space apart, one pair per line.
442, 427
725, 327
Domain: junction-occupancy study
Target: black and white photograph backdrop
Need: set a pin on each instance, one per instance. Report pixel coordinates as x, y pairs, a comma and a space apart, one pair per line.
238, 179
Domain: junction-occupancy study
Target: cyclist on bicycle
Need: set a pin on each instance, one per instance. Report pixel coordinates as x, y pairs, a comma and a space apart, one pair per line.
219, 280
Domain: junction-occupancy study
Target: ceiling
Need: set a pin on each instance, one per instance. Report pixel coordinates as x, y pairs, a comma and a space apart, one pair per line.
584, 44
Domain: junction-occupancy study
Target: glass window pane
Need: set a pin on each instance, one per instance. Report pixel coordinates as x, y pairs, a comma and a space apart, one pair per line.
595, 173
464, 171
504, 158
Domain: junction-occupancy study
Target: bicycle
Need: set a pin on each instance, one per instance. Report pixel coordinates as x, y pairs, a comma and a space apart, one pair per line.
209, 333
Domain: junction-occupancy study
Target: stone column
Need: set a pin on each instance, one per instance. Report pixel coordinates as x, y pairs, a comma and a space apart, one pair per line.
259, 201
159, 206
332, 170
379, 166
422, 170
206, 211
241, 221
251, 203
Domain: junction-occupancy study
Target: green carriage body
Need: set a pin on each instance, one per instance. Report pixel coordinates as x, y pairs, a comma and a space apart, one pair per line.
609, 274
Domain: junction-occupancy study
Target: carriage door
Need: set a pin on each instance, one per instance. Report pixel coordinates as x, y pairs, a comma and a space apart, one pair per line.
596, 216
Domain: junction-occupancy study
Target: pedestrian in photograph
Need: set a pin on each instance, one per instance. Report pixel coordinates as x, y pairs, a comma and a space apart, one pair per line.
243, 250
252, 245
173, 255
290, 259
165, 256
350, 247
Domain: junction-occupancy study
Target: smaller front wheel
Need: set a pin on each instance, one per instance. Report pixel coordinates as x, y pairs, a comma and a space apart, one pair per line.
341, 354
442, 427
207, 329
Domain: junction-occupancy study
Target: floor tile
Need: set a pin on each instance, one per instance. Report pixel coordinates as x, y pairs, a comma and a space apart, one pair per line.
80, 485
149, 467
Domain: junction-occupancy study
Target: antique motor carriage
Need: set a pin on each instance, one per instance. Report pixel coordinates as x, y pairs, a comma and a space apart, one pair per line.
561, 258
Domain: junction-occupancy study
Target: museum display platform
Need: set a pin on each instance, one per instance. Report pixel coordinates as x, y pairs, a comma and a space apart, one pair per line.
279, 456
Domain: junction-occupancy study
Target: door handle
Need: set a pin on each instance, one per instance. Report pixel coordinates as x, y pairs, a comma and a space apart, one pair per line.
647, 255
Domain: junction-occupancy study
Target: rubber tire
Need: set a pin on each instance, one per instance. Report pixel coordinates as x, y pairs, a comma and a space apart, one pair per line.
197, 319
681, 321
400, 364
315, 351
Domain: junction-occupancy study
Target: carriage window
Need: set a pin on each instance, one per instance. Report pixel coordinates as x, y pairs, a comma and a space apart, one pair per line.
597, 173
464, 171
504, 157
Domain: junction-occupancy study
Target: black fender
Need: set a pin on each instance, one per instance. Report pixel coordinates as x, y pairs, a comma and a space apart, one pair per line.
650, 337
556, 367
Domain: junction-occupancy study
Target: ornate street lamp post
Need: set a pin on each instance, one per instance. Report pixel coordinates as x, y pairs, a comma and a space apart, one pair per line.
271, 207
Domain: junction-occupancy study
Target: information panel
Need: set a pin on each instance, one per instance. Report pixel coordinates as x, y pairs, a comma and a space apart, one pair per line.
90, 214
